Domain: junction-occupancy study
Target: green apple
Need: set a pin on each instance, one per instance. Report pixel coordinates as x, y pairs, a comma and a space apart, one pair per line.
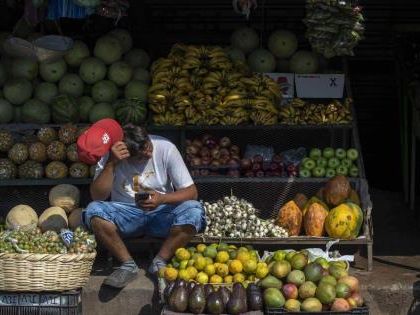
352, 154
330, 172
342, 170
333, 163
304, 173
319, 172
328, 153
322, 162
346, 162
309, 164
315, 153
354, 171
340, 153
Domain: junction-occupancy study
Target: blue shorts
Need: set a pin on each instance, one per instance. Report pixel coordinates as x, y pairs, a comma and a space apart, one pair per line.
134, 222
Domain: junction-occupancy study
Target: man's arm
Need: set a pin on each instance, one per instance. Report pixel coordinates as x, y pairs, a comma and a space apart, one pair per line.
156, 198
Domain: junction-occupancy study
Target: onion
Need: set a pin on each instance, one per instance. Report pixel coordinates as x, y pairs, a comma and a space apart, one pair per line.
224, 152
246, 164
249, 174
204, 172
195, 173
236, 157
256, 167
205, 160
224, 160
215, 153
210, 143
235, 150
258, 158
197, 143
225, 142
204, 152
196, 161
192, 150
259, 173
215, 164
233, 164
205, 137
234, 173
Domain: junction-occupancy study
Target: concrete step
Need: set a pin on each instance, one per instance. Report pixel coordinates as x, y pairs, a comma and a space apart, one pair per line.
390, 289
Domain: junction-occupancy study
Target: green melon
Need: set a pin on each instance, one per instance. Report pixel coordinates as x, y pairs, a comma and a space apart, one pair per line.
120, 73
105, 91
136, 90
245, 39
17, 114
24, 68
262, 61
64, 109
304, 62
3, 74
92, 70
235, 54
17, 91
130, 111
140, 74
124, 37
108, 49
137, 58
52, 71
282, 44
85, 105
77, 54
6, 111
71, 84
36, 112
100, 111
46, 91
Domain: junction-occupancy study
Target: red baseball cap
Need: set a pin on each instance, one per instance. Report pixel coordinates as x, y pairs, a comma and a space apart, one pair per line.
96, 141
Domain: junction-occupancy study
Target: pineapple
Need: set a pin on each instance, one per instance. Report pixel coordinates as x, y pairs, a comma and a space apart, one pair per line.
47, 135
6, 140
31, 169
38, 152
8, 170
56, 170
79, 170
19, 153
68, 134
72, 153
56, 151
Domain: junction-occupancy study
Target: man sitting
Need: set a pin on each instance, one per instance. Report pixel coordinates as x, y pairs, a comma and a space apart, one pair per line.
151, 168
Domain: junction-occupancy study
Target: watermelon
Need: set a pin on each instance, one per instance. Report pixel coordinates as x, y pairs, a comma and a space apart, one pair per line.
24, 68
17, 91
64, 109
130, 111
282, 44
92, 70
136, 90
261, 60
120, 73
105, 91
124, 37
77, 54
108, 49
137, 58
71, 84
36, 112
85, 105
142, 75
52, 71
245, 39
46, 91
304, 62
100, 111
6, 112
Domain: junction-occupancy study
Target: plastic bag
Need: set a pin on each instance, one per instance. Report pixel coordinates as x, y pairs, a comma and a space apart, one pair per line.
252, 150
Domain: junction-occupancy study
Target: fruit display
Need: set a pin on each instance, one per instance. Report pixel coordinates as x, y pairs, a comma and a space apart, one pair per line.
329, 162
201, 85
49, 153
334, 27
237, 218
75, 88
334, 211
300, 112
297, 284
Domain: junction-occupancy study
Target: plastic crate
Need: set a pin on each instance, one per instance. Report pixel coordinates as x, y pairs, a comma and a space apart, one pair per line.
357, 311
60, 303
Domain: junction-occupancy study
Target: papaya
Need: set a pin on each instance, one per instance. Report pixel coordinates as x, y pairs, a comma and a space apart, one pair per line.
311, 201
300, 200
314, 219
337, 190
344, 221
290, 218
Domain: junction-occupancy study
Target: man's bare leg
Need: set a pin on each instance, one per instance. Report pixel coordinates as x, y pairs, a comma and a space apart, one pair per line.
179, 236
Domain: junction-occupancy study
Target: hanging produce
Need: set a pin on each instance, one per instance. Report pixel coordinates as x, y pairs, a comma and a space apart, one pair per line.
335, 27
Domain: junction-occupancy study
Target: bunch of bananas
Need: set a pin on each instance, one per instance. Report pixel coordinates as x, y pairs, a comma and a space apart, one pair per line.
299, 112
200, 85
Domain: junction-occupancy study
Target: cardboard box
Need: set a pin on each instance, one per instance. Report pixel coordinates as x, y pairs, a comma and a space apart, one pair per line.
319, 85
286, 81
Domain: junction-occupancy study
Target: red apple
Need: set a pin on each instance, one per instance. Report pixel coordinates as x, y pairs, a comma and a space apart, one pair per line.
274, 166
265, 166
257, 158
277, 158
249, 174
259, 174
256, 167
235, 150
233, 164
246, 164
234, 173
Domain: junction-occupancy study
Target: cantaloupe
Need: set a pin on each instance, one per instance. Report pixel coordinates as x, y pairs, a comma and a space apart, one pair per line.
53, 219
75, 218
21, 216
65, 196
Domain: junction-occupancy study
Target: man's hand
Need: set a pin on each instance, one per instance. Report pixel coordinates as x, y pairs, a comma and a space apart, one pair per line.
153, 202
119, 152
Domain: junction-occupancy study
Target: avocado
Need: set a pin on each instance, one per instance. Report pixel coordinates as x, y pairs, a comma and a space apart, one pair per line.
190, 286
168, 290
181, 283
270, 282
208, 288
178, 301
225, 293
215, 303
237, 303
254, 297
197, 300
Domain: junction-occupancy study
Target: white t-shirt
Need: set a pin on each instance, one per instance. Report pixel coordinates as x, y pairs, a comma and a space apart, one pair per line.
165, 172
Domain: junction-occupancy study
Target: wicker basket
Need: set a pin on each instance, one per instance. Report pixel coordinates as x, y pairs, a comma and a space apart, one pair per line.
44, 272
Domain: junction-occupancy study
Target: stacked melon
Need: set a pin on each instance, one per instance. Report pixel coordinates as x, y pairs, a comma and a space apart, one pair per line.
49, 153
111, 81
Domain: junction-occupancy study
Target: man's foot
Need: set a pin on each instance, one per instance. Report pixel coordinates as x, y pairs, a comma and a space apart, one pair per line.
157, 264
120, 278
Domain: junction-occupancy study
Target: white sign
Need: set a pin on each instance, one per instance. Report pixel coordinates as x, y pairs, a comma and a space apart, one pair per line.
319, 85
286, 81
27, 299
